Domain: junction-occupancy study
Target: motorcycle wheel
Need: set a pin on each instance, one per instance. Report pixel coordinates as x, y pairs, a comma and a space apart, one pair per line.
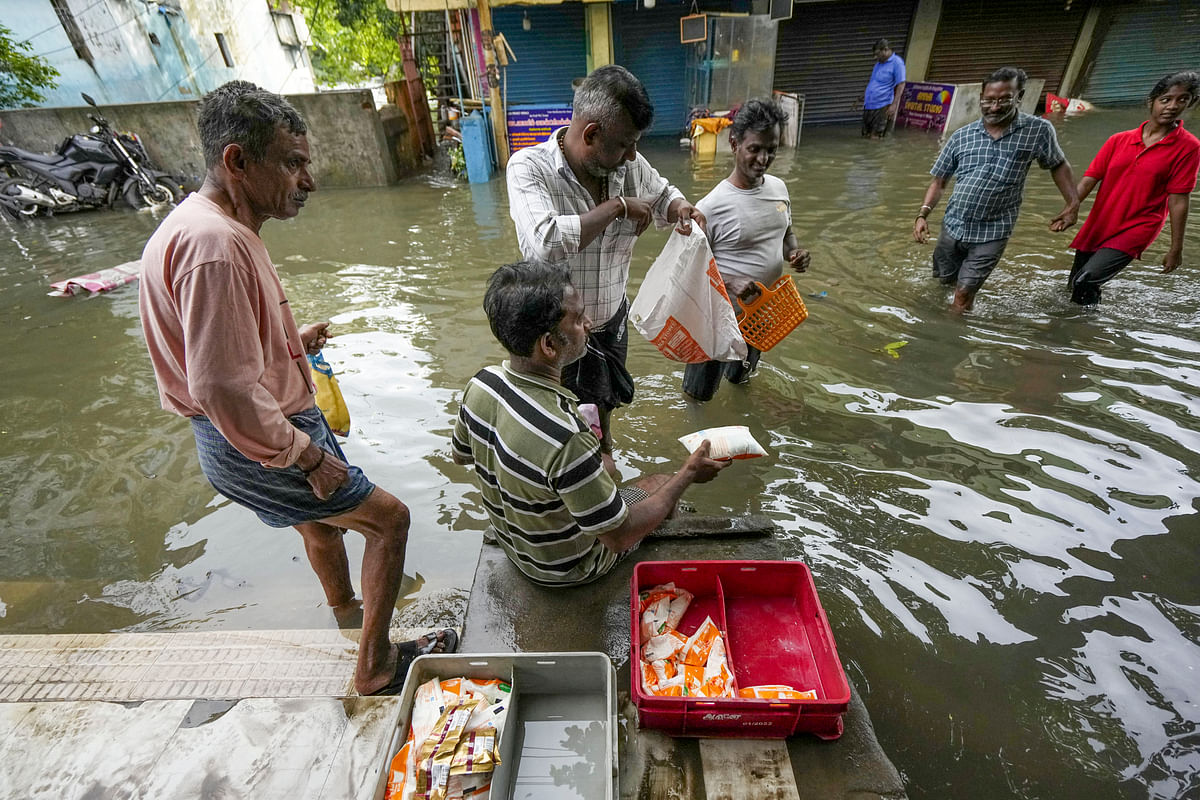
11, 206
138, 197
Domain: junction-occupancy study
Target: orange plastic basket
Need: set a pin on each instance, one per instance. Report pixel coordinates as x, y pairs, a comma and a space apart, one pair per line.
773, 314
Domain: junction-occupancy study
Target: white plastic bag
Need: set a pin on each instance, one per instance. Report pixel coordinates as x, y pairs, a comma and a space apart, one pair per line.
682, 307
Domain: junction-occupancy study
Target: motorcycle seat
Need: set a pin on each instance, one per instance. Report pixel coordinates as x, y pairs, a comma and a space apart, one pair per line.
17, 154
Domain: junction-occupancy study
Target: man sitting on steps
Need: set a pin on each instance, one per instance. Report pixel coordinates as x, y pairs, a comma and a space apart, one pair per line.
553, 507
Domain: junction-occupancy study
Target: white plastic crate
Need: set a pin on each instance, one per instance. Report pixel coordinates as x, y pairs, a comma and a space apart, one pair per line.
560, 738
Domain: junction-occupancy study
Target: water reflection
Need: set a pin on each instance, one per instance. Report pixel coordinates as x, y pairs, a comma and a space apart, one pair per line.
1002, 519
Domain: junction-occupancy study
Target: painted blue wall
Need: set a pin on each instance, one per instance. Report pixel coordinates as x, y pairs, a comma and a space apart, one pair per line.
127, 67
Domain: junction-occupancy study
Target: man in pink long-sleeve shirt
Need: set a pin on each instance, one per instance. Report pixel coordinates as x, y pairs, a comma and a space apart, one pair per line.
228, 355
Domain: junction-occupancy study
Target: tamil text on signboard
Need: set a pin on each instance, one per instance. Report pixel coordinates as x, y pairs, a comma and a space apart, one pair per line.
530, 125
926, 105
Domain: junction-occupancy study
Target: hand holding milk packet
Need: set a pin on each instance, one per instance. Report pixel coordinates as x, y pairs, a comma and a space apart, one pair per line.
730, 441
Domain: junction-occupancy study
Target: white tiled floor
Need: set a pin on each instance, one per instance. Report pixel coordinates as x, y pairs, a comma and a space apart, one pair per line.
162, 666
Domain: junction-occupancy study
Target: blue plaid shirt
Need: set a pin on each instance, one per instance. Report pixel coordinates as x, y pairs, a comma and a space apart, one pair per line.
990, 175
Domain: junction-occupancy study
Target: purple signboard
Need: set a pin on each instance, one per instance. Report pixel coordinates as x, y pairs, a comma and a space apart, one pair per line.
530, 125
925, 105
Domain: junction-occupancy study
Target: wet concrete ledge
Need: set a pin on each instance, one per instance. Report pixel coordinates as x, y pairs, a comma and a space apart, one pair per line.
508, 613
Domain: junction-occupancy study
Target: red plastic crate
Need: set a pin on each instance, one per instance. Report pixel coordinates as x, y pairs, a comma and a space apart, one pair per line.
775, 631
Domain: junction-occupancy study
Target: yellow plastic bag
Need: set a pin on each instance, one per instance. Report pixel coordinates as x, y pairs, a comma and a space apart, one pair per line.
329, 396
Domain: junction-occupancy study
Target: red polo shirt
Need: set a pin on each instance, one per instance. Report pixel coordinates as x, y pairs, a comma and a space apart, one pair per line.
1135, 180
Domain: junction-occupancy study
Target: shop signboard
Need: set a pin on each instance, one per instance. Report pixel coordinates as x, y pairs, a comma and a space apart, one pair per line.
926, 105
530, 125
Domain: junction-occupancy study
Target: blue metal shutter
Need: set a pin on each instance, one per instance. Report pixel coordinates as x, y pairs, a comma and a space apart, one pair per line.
551, 54
974, 38
824, 53
1142, 44
646, 42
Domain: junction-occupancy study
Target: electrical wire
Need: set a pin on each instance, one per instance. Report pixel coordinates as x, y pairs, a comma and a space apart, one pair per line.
59, 23
233, 25
91, 33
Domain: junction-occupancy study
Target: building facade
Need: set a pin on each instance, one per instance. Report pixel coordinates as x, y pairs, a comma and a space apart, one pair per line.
1107, 51
128, 51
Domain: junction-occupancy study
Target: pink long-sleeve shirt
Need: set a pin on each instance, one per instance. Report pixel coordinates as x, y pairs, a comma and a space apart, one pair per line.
221, 336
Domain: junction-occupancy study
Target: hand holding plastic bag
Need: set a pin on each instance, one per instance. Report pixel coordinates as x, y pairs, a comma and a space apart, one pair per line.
682, 306
329, 395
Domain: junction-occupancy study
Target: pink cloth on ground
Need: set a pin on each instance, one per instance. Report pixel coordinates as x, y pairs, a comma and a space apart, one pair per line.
100, 281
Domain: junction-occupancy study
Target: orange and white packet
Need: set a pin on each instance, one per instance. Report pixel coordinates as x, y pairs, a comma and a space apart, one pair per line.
401, 774
665, 645
657, 618
654, 618
776, 692
700, 643
718, 679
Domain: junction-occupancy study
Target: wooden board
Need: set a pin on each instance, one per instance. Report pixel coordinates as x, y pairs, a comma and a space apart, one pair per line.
747, 769
695, 526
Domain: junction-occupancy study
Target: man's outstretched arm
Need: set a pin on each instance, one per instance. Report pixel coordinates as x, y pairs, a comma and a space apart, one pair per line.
647, 515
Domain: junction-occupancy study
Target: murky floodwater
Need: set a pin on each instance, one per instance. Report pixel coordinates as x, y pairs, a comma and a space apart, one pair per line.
1001, 514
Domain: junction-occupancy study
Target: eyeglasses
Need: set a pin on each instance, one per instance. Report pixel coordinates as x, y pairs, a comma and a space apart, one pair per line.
1001, 102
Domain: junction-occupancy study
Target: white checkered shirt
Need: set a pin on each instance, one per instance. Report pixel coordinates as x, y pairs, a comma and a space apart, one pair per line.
545, 200
989, 175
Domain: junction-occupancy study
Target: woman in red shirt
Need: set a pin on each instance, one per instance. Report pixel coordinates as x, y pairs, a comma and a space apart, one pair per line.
1144, 174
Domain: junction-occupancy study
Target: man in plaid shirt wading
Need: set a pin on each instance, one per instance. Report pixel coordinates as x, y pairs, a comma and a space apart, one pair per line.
581, 199
990, 159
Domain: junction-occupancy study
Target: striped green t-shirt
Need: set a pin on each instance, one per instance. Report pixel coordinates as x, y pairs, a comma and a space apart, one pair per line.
539, 469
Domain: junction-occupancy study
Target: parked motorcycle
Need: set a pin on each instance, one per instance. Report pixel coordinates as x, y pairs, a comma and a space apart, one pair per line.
87, 170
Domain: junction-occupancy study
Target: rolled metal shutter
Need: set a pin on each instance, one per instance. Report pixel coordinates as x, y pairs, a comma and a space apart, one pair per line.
824, 53
551, 54
646, 42
1143, 43
975, 37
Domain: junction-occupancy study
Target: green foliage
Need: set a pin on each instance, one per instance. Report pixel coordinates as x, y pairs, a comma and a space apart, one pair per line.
355, 40
22, 74
458, 160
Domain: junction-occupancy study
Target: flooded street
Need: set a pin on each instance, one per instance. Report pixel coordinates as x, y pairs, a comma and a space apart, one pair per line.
1000, 512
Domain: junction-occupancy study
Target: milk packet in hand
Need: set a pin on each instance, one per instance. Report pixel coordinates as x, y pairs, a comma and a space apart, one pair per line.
730, 441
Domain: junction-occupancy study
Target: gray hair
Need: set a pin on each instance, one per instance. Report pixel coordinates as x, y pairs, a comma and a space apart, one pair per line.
608, 91
243, 114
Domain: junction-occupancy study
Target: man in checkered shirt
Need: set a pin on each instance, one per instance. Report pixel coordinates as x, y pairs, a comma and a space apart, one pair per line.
990, 159
582, 198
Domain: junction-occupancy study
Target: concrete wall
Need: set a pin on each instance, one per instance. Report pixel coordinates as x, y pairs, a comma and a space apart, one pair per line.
599, 35
1079, 54
920, 39
346, 137
349, 147
149, 52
